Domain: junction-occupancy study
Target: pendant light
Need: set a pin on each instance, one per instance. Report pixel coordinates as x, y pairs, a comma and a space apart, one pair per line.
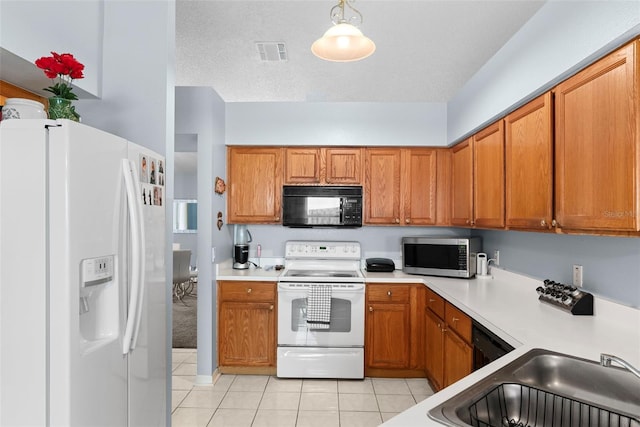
343, 42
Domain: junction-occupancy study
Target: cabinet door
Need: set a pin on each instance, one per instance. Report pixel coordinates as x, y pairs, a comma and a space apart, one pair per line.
302, 165
419, 182
387, 343
443, 184
459, 358
246, 334
434, 352
597, 160
529, 165
255, 184
382, 186
343, 165
462, 183
488, 176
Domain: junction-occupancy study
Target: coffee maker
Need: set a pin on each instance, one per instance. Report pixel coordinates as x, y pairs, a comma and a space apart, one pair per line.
241, 240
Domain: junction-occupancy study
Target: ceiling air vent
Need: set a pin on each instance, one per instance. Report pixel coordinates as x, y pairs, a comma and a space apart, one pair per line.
272, 51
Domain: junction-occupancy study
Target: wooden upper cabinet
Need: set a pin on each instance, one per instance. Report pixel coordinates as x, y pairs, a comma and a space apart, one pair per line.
343, 165
255, 184
320, 165
382, 186
302, 165
7, 90
443, 187
400, 186
488, 176
462, 183
529, 165
597, 143
419, 186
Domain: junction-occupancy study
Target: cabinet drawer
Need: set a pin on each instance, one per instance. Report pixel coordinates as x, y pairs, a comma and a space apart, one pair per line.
458, 322
388, 293
435, 303
247, 291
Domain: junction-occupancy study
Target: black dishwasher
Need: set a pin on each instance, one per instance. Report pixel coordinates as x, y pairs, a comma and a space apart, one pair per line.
487, 346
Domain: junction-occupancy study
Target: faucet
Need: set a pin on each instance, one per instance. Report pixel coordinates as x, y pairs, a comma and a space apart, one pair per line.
606, 359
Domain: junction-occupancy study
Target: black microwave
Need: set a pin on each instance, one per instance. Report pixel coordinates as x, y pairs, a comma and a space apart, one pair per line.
321, 206
441, 256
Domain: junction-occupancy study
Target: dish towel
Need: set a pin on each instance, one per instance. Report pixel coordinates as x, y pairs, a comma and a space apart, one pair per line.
319, 307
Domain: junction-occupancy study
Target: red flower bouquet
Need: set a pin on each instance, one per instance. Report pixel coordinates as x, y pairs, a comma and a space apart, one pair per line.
64, 67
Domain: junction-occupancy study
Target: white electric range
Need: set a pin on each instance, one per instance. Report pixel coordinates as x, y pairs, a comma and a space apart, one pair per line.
334, 349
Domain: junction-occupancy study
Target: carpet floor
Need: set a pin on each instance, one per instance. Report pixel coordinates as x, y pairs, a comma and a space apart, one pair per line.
185, 321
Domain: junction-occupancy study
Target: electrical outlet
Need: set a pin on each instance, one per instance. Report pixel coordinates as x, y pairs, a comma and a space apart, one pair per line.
496, 257
577, 275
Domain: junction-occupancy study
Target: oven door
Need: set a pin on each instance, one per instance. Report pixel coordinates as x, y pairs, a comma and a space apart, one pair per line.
346, 323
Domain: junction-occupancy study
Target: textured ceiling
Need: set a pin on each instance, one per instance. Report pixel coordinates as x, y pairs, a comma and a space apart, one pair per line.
426, 49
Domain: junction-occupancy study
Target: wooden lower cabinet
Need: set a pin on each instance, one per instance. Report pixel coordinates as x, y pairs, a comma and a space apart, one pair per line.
448, 352
458, 356
388, 338
394, 330
434, 360
247, 327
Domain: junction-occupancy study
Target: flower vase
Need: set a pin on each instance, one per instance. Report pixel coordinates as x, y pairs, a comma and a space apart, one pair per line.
61, 108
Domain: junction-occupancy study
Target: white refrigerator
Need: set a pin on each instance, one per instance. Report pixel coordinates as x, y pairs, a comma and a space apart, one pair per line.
83, 310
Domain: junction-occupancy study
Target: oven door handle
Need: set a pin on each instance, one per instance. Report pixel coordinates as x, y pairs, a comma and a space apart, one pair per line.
284, 287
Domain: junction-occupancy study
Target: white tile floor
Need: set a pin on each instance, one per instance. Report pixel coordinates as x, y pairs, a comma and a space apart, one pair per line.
257, 401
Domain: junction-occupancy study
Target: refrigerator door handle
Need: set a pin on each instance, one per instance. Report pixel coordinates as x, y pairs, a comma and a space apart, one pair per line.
137, 258
142, 250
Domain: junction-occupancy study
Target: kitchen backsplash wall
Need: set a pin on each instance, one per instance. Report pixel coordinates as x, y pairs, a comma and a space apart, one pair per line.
611, 264
375, 241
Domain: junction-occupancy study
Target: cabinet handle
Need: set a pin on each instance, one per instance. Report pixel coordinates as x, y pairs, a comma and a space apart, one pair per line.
473, 223
431, 300
370, 308
443, 330
389, 293
554, 223
249, 290
454, 320
408, 220
543, 223
277, 218
467, 221
397, 220
271, 307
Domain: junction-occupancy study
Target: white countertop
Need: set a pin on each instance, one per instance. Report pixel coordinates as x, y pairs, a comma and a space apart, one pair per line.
507, 304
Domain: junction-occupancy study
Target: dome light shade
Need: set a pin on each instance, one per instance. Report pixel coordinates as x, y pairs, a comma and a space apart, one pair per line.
343, 43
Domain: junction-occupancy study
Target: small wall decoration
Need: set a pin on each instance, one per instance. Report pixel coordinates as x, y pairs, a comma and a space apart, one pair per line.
220, 223
220, 186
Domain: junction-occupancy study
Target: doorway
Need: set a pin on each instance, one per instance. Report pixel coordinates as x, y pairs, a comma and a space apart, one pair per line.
185, 247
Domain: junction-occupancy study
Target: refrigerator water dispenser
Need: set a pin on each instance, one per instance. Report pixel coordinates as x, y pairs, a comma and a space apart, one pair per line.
99, 302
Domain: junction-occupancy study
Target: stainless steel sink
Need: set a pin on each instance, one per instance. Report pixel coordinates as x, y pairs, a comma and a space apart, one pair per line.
547, 389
